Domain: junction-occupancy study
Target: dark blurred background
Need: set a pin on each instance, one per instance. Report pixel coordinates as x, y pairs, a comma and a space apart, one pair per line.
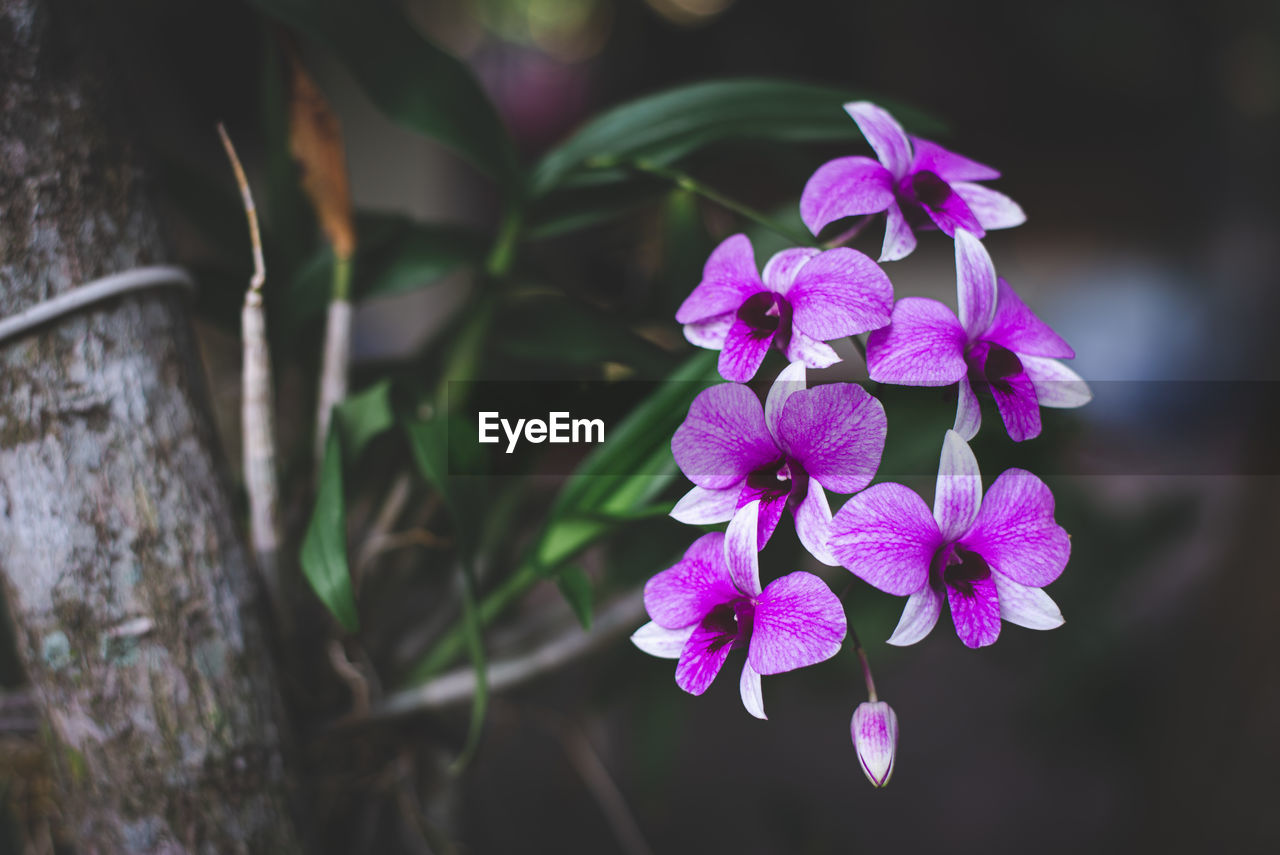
1142, 139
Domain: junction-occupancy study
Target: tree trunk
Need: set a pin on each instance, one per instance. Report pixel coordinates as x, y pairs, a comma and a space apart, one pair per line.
136, 616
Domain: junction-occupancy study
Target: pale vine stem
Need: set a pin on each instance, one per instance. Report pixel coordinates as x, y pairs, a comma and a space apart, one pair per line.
337, 354
257, 423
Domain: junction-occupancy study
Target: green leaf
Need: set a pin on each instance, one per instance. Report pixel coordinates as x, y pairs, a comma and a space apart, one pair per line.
324, 547
559, 329
410, 79
665, 127
394, 255
576, 588
364, 415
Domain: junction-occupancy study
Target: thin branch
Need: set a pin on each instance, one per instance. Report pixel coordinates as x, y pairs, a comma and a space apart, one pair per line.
456, 687
257, 422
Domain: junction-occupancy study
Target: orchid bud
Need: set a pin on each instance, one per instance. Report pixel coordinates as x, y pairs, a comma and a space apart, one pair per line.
875, 736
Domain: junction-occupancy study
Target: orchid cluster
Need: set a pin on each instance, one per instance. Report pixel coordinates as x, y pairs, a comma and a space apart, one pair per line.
986, 558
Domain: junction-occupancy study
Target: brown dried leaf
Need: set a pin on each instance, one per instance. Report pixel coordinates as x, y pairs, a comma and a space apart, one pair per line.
315, 139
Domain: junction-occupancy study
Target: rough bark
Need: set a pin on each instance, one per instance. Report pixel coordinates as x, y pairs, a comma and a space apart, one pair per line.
136, 616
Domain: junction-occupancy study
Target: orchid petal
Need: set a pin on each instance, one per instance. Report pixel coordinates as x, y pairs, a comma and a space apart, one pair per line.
1019, 409
789, 381
1056, 385
836, 432
657, 640
810, 351
958, 493
728, 279
840, 292
899, 237
683, 594
952, 214
724, 438
702, 658
919, 617
886, 536
874, 731
948, 165
993, 209
886, 136
782, 268
1016, 327
813, 524
710, 333
741, 553
976, 613
798, 622
744, 350
1015, 532
752, 694
922, 346
845, 187
975, 284
701, 506
968, 411
1028, 607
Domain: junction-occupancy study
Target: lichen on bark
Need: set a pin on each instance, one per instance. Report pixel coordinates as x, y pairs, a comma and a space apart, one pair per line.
137, 618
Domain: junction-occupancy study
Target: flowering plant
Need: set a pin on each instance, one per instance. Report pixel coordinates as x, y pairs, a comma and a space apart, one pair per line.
987, 557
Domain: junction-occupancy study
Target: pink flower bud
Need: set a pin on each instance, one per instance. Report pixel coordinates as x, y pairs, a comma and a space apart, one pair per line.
875, 736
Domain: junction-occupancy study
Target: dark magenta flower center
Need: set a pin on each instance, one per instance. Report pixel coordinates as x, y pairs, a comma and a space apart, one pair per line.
783, 477
732, 623
991, 364
928, 189
956, 567
768, 315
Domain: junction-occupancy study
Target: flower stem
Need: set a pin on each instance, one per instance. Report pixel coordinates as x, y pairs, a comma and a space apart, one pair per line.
866, 666
687, 182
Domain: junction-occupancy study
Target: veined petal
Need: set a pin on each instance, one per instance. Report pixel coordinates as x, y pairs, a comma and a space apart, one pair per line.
683, 594
899, 238
1015, 532
886, 136
976, 613
874, 730
968, 411
740, 550
728, 279
702, 658
993, 209
886, 536
813, 524
958, 493
975, 284
836, 432
952, 213
724, 438
711, 332
1019, 409
845, 187
782, 268
1056, 385
657, 640
752, 694
790, 380
1017, 328
771, 508
810, 351
701, 506
744, 349
922, 346
798, 622
919, 617
838, 293
948, 165
1029, 607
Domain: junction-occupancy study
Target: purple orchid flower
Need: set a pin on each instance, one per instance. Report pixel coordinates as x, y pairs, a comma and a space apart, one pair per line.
711, 602
996, 344
745, 459
919, 183
989, 557
804, 298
